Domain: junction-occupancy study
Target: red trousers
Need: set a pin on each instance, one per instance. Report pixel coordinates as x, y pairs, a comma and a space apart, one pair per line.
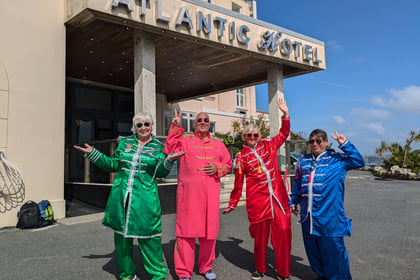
281, 240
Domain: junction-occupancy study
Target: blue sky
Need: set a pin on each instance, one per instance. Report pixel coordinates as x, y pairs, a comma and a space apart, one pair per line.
370, 91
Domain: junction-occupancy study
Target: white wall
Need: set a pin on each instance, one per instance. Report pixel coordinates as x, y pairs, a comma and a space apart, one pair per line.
32, 98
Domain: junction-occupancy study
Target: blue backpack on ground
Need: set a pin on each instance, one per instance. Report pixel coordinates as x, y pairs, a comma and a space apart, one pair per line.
46, 213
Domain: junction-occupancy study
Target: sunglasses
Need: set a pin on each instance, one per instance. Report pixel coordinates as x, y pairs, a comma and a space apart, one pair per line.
140, 125
318, 141
255, 135
206, 120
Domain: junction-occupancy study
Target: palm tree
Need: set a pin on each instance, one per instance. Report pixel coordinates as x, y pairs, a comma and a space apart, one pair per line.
414, 137
381, 149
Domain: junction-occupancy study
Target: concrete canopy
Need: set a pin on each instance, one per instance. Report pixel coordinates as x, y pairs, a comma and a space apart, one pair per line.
189, 63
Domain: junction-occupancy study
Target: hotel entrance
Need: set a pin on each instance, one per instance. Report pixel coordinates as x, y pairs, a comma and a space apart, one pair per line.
94, 115
125, 57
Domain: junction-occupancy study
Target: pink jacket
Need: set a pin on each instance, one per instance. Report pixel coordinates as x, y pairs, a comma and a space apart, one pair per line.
198, 194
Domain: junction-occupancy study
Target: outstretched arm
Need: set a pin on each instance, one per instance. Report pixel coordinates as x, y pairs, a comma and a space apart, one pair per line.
86, 149
235, 195
284, 132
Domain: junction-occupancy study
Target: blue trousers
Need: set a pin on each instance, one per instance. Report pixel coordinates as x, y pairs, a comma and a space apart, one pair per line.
327, 255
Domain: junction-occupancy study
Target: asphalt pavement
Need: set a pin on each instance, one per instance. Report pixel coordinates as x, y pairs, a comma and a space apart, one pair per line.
385, 243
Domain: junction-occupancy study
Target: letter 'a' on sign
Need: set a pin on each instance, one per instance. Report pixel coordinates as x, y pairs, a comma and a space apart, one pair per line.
184, 17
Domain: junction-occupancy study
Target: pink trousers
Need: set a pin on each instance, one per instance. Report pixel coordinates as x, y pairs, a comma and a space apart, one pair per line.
184, 255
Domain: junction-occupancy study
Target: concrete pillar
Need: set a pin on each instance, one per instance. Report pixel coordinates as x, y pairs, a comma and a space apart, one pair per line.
144, 74
275, 91
161, 104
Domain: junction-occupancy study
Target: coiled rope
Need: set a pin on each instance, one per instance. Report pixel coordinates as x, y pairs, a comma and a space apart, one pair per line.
12, 187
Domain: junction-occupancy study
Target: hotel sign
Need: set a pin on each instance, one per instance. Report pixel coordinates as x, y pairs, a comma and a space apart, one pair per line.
196, 19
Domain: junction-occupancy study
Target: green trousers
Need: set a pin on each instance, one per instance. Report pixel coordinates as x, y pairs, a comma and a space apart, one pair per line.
151, 252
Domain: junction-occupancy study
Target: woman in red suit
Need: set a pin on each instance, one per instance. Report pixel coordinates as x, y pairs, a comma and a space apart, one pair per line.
266, 196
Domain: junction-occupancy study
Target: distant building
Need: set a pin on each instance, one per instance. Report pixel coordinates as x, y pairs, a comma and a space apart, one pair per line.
373, 160
224, 108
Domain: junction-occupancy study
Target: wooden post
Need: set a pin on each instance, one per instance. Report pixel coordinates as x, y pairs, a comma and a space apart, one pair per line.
87, 171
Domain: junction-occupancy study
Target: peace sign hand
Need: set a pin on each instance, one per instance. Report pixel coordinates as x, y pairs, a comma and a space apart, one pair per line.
177, 119
339, 137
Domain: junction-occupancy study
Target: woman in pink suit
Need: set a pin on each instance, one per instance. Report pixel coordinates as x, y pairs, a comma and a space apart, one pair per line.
206, 159
266, 196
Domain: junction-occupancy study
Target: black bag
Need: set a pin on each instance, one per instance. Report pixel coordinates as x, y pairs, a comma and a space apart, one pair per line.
28, 215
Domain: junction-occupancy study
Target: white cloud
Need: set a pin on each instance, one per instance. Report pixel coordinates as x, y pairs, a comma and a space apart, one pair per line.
334, 46
374, 126
371, 114
406, 100
339, 120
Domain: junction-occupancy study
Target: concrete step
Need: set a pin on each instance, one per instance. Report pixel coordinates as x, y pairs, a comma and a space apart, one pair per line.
225, 190
230, 178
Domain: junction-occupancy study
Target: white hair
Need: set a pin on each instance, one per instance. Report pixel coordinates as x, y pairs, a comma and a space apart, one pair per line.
250, 128
141, 117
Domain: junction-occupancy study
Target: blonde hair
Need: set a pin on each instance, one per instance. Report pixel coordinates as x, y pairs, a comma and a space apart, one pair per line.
250, 128
141, 117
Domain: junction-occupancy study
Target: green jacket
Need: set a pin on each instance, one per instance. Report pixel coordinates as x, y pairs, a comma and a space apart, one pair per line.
133, 207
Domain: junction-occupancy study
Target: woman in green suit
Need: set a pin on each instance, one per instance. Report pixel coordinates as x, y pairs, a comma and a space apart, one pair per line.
133, 207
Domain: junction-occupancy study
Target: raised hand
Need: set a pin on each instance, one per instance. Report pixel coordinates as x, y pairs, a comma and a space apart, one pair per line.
177, 119
86, 149
339, 137
281, 104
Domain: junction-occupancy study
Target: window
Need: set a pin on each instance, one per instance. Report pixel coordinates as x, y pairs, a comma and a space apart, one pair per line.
187, 121
240, 98
212, 128
236, 8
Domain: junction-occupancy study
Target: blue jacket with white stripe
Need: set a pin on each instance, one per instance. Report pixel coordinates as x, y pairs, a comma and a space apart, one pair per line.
319, 189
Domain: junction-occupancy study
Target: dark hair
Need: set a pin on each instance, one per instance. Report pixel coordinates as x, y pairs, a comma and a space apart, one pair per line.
319, 133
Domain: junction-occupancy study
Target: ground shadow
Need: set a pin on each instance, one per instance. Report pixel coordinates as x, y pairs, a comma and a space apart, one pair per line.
244, 259
168, 251
235, 254
111, 265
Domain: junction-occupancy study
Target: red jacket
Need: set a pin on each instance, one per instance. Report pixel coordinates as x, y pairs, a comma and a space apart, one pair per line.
264, 183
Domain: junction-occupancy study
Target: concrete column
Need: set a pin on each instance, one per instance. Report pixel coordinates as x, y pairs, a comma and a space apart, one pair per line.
144, 74
161, 104
275, 91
